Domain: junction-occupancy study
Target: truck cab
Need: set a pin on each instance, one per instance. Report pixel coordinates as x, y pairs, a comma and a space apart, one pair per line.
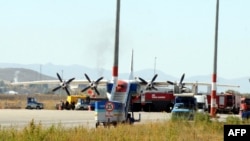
185, 107
202, 102
83, 104
32, 103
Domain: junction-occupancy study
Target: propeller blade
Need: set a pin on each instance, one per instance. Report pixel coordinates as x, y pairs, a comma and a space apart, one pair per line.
153, 79
87, 77
67, 91
183, 85
182, 77
56, 88
97, 81
96, 91
63, 84
150, 84
70, 80
92, 84
59, 77
83, 90
154, 88
143, 81
171, 83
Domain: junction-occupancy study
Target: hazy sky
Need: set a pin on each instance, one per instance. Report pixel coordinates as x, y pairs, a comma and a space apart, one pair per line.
176, 36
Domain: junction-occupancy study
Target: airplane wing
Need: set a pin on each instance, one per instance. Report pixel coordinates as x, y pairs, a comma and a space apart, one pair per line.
35, 82
209, 84
75, 82
182, 84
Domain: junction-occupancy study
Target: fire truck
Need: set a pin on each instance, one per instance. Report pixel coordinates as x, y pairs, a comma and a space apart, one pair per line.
226, 103
153, 101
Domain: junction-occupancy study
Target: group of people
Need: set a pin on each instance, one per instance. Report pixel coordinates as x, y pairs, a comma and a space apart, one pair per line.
66, 105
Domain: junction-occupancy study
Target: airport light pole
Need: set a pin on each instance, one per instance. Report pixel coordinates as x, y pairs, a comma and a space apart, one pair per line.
40, 78
155, 65
62, 74
249, 80
214, 76
116, 49
61, 89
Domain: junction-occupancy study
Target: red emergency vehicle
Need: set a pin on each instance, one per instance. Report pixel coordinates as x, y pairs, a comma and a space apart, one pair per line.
154, 101
226, 103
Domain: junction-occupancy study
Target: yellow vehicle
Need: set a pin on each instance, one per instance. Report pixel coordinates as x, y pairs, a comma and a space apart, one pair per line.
71, 101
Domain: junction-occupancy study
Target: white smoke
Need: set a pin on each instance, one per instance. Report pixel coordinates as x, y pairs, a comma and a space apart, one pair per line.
16, 76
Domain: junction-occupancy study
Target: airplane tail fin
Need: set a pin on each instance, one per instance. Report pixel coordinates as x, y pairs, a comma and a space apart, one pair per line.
131, 76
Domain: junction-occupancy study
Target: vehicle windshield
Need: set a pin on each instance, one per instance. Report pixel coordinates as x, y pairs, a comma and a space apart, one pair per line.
179, 105
82, 101
183, 106
247, 101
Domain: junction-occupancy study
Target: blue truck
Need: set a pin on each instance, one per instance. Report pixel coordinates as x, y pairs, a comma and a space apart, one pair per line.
85, 105
32, 103
185, 106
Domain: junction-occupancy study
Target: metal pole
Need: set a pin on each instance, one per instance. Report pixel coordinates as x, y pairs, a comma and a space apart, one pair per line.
61, 91
116, 49
62, 74
214, 75
155, 66
40, 78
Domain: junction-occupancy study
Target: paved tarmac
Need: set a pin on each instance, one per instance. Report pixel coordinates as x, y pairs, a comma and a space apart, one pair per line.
69, 118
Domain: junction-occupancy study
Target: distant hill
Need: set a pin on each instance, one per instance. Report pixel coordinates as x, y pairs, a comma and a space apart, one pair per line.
32, 72
22, 74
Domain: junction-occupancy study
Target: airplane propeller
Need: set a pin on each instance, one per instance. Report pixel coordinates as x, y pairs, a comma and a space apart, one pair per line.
150, 84
64, 84
181, 85
92, 84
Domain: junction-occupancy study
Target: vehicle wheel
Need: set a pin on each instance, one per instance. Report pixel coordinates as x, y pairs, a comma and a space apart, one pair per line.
105, 124
169, 107
236, 110
114, 124
128, 121
97, 124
